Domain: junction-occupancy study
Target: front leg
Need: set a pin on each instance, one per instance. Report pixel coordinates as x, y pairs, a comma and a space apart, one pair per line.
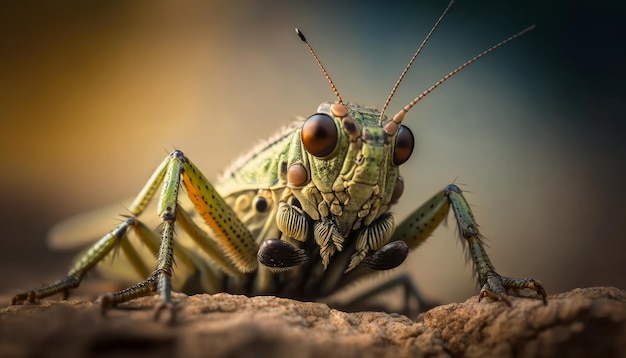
421, 223
235, 245
229, 245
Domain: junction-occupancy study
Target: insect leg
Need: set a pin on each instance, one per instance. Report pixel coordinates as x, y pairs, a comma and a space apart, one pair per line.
410, 292
232, 235
494, 285
206, 243
169, 172
189, 263
420, 224
91, 258
184, 257
229, 231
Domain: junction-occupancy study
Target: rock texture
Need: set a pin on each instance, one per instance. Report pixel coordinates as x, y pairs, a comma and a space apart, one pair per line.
580, 323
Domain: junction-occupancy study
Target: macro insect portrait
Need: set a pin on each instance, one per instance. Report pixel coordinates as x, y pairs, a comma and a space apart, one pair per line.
302, 215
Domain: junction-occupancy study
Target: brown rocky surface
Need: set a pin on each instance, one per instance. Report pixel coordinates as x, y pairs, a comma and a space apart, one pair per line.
580, 323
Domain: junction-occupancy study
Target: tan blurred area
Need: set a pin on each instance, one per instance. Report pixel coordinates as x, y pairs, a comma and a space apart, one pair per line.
93, 96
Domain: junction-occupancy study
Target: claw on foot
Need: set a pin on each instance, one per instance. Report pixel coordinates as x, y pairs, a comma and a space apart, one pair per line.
18, 299
26, 297
487, 293
537, 286
495, 288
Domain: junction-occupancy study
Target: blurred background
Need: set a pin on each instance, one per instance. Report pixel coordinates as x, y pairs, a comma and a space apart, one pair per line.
93, 95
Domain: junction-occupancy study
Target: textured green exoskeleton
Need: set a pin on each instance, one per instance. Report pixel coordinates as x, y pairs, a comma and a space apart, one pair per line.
301, 216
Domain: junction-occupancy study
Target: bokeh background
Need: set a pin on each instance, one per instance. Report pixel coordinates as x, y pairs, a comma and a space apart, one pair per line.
94, 94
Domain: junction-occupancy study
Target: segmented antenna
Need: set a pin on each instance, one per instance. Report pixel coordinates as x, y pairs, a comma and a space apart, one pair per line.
406, 69
332, 85
400, 115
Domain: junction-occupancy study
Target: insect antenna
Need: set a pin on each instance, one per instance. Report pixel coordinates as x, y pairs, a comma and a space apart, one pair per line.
397, 119
319, 63
406, 69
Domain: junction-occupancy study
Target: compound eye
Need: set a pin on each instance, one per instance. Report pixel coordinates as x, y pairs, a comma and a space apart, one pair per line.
319, 135
403, 146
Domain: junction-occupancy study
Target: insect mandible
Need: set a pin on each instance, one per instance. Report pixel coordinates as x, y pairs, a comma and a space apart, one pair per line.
301, 216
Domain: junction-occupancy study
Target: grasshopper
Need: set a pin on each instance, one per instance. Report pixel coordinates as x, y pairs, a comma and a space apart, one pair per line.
301, 216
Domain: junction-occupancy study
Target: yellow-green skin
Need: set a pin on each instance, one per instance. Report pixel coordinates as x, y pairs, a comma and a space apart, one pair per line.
350, 177
337, 173
351, 187
283, 221
330, 211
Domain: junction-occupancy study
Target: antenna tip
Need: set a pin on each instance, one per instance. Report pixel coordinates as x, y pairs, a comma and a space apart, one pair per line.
301, 35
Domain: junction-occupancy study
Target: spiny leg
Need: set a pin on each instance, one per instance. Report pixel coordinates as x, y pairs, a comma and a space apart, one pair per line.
96, 253
416, 228
493, 284
235, 252
189, 262
117, 239
234, 241
160, 280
